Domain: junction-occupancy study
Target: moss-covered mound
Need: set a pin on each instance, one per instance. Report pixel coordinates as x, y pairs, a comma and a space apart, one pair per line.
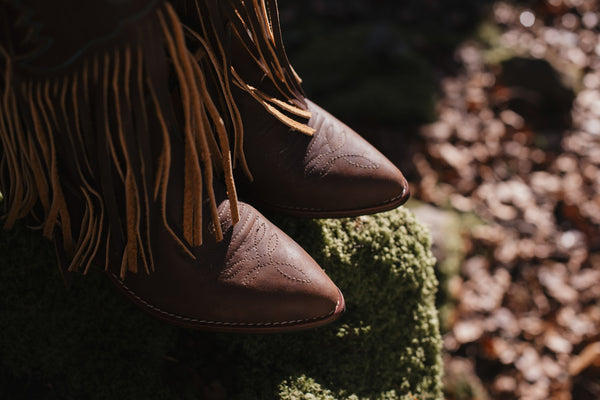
89, 343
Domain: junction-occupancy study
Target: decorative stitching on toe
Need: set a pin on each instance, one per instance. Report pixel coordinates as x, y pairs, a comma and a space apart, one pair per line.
322, 163
253, 255
291, 277
325, 168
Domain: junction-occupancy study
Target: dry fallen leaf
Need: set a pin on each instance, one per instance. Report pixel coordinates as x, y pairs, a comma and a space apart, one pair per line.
588, 357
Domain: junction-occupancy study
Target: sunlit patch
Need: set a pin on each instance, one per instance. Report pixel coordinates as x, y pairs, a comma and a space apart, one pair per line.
527, 19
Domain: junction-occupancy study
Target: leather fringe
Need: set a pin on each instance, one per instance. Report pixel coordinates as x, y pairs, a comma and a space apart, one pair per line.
94, 144
254, 24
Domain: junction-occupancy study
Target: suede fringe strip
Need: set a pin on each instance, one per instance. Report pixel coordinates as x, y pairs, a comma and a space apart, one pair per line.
255, 25
89, 152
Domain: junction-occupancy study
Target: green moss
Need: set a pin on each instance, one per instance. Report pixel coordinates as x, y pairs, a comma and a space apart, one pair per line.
89, 343
387, 346
86, 342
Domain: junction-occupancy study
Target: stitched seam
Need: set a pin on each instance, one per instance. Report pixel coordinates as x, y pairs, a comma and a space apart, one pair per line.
374, 166
246, 221
237, 267
331, 150
224, 222
227, 219
317, 127
271, 250
329, 164
322, 209
325, 168
248, 278
157, 309
237, 249
291, 277
253, 274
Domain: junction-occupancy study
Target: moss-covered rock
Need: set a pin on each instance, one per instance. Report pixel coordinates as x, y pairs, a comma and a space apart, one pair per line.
447, 228
89, 343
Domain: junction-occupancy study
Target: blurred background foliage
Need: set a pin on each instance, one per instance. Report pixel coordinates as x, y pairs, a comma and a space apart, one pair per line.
377, 61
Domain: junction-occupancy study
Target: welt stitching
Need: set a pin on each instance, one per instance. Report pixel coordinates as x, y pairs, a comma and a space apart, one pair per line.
157, 309
322, 209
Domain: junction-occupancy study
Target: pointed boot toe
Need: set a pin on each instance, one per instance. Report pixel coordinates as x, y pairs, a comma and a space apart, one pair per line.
256, 280
354, 176
334, 173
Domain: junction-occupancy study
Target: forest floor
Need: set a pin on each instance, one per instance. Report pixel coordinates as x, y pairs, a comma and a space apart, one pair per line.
517, 144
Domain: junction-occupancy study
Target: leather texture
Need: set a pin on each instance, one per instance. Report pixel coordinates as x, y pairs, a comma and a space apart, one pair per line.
334, 173
52, 35
257, 280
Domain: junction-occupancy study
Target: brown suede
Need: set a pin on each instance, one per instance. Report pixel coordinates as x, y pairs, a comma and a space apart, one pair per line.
57, 34
334, 173
257, 280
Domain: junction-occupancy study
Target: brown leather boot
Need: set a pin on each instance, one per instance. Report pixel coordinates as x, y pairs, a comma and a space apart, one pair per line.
111, 135
301, 159
333, 173
256, 280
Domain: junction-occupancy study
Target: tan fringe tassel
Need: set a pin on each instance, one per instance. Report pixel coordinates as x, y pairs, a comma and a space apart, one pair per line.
80, 143
256, 25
